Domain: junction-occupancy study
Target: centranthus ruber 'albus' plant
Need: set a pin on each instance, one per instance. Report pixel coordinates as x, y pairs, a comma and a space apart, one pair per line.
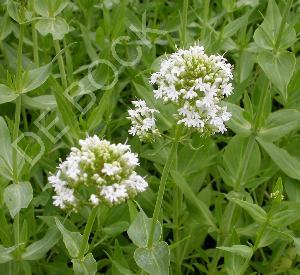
195, 83
97, 172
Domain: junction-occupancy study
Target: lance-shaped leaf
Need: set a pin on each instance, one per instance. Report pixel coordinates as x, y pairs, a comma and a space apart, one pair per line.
72, 240
200, 206
6, 94
255, 211
5, 254
286, 162
38, 249
35, 78
279, 124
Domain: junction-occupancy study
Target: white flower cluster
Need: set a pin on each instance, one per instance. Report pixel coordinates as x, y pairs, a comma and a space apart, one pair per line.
143, 121
195, 83
98, 171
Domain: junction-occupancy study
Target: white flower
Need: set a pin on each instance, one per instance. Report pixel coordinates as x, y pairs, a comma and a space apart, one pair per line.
111, 169
114, 194
142, 121
136, 183
96, 173
195, 83
94, 199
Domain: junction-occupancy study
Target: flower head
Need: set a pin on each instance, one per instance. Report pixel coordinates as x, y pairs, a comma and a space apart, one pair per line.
97, 172
195, 83
143, 121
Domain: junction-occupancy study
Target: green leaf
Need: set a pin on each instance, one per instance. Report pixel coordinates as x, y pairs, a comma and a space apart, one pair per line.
271, 235
241, 250
38, 249
238, 123
56, 26
6, 94
41, 102
17, 196
266, 34
292, 188
5, 148
278, 68
232, 27
297, 245
155, 260
13, 9
255, 211
35, 78
5, 27
46, 8
287, 163
139, 230
200, 206
72, 240
65, 109
86, 266
279, 124
5, 253
237, 172
285, 217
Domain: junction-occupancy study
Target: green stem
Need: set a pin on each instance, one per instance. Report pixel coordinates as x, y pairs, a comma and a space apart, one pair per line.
282, 24
35, 45
24, 116
15, 136
69, 64
87, 232
205, 18
61, 64
162, 185
20, 59
184, 22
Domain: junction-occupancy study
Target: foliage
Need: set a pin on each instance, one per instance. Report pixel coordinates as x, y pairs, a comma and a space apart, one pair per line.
231, 205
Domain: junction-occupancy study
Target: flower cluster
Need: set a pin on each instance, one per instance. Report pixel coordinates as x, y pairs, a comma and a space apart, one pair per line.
195, 83
143, 121
98, 171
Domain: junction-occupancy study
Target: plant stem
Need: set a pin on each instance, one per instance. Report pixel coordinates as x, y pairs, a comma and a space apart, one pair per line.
20, 59
206, 4
15, 136
184, 22
61, 64
87, 232
35, 45
162, 185
282, 24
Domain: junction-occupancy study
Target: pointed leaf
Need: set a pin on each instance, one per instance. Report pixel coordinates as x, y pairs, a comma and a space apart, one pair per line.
86, 266
6, 94
17, 196
38, 249
72, 240
241, 250
201, 207
155, 260
286, 162
255, 211
139, 230
278, 68
36, 77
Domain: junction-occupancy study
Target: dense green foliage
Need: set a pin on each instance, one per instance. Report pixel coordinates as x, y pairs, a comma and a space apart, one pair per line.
69, 69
